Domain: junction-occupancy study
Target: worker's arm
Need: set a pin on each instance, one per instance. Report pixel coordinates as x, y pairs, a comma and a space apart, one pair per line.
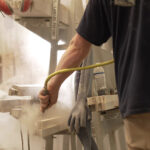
78, 49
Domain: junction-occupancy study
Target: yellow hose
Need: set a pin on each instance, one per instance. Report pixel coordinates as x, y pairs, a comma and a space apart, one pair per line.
76, 69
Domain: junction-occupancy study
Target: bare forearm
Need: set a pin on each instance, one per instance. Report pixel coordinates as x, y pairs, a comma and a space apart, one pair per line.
76, 52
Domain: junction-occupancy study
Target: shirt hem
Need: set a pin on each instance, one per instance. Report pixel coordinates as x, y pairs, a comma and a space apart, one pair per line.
134, 112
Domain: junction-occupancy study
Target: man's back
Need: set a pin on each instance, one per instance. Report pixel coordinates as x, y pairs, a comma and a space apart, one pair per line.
129, 27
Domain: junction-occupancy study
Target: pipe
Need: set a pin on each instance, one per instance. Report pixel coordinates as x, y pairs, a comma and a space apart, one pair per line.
76, 69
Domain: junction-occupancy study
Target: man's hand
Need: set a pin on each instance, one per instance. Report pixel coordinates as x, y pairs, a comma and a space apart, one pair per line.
79, 116
47, 98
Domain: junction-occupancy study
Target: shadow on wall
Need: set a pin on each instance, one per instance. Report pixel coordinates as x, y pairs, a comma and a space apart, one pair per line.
25, 56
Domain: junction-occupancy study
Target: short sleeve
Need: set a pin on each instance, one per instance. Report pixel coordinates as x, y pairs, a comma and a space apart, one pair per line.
94, 25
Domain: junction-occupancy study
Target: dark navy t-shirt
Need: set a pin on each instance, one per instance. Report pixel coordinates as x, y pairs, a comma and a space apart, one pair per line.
130, 29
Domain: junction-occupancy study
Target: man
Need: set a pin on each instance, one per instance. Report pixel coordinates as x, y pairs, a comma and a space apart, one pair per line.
129, 27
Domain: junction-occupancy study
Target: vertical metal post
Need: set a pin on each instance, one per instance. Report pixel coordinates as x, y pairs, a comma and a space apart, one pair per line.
65, 142
49, 143
55, 20
53, 57
54, 35
78, 144
28, 139
112, 140
21, 135
100, 130
73, 142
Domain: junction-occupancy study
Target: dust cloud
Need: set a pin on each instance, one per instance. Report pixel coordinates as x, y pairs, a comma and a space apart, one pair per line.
31, 114
25, 62
9, 132
10, 137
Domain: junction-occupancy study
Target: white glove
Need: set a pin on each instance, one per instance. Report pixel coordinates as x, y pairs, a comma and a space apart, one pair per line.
79, 116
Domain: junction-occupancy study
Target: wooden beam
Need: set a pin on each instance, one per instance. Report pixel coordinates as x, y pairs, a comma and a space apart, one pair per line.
10, 102
45, 123
103, 103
